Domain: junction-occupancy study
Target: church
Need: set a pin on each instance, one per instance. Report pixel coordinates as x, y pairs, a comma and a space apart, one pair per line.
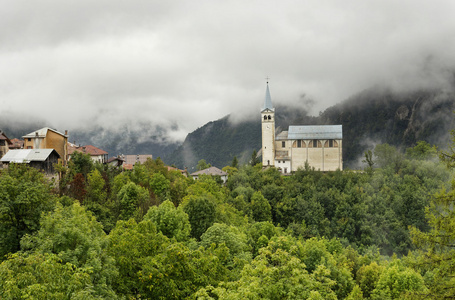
320, 145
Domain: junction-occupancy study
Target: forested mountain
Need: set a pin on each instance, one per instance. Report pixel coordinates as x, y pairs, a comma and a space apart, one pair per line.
374, 116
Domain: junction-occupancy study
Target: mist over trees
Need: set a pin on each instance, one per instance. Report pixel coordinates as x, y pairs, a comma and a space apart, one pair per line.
375, 116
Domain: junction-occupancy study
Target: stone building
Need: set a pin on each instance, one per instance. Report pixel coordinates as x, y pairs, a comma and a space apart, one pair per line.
318, 145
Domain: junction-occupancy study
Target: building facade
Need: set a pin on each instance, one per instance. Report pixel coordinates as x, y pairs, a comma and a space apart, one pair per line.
318, 146
5, 144
48, 138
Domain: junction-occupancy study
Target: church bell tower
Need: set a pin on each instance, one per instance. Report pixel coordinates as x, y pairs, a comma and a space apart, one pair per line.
268, 131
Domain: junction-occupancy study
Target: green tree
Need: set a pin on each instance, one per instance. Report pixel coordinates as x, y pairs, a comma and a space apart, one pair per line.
235, 162
422, 151
74, 235
178, 272
171, 221
387, 155
160, 185
201, 214
178, 189
202, 165
396, 280
131, 200
436, 247
43, 276
95, 188
260, 208
254, 159
367, 277
24, 196
231, 236
81, 163
131, 245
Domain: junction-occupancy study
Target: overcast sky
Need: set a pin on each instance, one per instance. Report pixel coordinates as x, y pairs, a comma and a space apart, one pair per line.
179, 64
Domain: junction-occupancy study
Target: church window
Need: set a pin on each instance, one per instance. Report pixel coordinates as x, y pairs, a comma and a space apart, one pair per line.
265, 117
268, 162
315, 143
299, 144
283, 144
269, 117
331, 143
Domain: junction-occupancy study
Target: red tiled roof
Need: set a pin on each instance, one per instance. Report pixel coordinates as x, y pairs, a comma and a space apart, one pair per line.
88, 149
92, 150
16, 144
127, 166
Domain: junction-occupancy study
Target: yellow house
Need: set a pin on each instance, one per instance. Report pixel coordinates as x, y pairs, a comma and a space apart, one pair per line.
48, 138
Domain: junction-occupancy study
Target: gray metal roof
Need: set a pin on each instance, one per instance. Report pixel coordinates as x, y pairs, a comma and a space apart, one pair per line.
316, 132
268, 100
42, 133
210, 171
283, 135
26, 155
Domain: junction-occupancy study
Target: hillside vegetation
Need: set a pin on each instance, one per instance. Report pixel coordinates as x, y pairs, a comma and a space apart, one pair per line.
384, 233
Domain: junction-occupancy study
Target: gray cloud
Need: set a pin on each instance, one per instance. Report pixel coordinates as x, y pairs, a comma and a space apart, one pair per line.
180, 64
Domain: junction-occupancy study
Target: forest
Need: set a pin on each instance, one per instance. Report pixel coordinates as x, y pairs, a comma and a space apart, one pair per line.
95, 232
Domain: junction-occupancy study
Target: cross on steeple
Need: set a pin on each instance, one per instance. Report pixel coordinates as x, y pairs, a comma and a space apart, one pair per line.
267, 78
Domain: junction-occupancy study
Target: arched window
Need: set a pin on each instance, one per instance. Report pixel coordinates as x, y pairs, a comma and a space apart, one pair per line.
265, 117
270, 118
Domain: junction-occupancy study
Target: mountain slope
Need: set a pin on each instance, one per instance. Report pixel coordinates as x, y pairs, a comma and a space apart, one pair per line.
374, 116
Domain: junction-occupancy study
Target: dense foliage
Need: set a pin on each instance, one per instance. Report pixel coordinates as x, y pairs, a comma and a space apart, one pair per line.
383, 233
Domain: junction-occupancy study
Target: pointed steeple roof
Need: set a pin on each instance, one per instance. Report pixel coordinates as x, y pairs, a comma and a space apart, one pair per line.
268, 100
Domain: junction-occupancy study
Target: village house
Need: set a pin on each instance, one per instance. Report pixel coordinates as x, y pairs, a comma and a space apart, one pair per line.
41, 159
16, 144
115, 161
48, 138
318, 146
130, 160
96, 154
212, 171
5, 144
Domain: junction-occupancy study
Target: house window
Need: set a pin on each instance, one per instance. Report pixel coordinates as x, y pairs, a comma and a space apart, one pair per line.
29, 139
283, 144
268, 162
315, 143
285, 170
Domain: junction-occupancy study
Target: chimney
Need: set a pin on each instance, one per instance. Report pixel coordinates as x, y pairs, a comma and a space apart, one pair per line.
36, 141
66, 132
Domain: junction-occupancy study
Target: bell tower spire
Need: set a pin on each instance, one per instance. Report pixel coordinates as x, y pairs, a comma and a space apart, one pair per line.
268, 99
268, 130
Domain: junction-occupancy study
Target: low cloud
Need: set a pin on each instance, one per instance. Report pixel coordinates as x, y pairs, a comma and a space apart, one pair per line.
177, 65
